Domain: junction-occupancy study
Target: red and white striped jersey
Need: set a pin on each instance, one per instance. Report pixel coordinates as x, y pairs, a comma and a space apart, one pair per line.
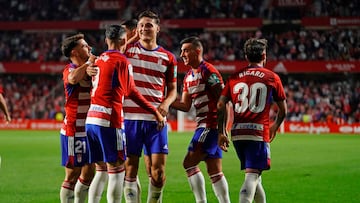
200, 84
110, 85
152, 71
252, 91
76, 105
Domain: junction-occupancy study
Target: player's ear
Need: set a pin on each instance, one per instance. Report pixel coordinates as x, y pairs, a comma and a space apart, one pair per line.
198, 51
73, 53
158, 29
263, 56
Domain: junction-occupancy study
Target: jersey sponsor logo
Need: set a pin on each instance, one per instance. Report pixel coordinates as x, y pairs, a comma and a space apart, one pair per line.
249, 126
98, 108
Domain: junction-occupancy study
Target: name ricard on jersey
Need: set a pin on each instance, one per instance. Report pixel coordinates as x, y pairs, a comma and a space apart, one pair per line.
255, 73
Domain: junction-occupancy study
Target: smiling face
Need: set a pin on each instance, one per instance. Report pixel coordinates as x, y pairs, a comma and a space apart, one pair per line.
82, 50
148, 29
190, 55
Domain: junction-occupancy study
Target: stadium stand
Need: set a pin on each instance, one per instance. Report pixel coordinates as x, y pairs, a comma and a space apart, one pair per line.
334, 99
174, 9
327, 99
338, 44
33, 96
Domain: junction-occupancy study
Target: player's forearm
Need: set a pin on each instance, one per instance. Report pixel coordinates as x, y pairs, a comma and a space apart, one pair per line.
178, 105
221, 116
171, 95
141, 101
77, 74
279, 119
281, 113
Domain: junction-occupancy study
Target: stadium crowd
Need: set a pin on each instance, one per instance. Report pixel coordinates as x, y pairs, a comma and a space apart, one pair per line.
33, 96
309, 99
294, 43
337, 44
41, 96
15, 10
323, 99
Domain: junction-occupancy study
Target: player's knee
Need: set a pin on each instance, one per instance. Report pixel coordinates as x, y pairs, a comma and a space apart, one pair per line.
85, 180
72, 176
158, 177
190, 162
101, 166
72, 180
185, 164
88, 173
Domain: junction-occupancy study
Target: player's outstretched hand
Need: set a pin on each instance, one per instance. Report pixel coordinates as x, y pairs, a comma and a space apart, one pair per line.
223, 142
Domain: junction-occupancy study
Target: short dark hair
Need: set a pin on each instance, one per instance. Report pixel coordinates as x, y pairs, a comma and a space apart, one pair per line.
114, 32
195, 41
150, 14
130, 24
69, 43
254, 49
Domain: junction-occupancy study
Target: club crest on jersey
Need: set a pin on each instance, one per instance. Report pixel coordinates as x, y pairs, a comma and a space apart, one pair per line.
79, 158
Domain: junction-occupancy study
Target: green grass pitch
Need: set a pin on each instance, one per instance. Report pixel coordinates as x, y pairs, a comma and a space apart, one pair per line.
305, 168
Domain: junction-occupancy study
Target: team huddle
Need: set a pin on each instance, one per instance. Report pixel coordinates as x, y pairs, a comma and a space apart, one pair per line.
116, 107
